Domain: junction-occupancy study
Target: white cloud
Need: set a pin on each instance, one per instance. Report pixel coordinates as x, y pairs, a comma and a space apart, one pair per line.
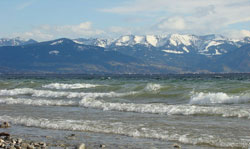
238, 34
173, 23
34, 34
194, 16
48, 32
25, 5
245, 33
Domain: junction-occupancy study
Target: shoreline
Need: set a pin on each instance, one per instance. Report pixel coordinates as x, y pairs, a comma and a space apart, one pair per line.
33, 137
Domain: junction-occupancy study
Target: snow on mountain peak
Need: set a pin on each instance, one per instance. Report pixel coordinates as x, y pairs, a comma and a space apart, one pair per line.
151, 39
56, 42
139, 39
177, 39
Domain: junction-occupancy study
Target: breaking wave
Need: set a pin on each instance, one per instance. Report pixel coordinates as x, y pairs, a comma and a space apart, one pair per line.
218, 98
159, 108
38, 102
55, 94
127, 129
153, 87
69, 86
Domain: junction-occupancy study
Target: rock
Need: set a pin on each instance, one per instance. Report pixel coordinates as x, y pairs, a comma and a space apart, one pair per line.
19, 141
42, 144
24, 145
102, 146
48, 137
30, 146
176, 146
5, 125
2, 145
81, 146
62, 145
4, 134
11, 147
18, 147
36, 145
13, 141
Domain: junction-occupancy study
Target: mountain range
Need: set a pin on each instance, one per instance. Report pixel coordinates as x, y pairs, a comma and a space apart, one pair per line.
148, 54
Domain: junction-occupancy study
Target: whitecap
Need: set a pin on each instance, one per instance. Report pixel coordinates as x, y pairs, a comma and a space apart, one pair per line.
38, 102
153, 87
127, 129
57, 94
160, 108
69, 86
218, 98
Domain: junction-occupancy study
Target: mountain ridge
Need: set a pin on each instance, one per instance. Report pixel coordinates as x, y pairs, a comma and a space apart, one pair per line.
130, 54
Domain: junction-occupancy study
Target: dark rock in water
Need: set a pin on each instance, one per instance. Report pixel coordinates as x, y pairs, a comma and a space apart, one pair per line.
5, 125
102, 146
42, 144
176, 146
4, 134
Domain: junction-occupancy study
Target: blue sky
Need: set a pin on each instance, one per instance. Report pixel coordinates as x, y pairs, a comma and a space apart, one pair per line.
50, 19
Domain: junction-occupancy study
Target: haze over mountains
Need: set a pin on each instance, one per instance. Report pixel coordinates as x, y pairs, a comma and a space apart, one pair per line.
149, 54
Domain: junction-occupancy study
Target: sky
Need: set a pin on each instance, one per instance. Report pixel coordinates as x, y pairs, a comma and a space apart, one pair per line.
50, 19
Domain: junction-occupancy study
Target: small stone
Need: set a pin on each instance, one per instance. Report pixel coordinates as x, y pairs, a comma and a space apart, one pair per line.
19, 141
13, 141
1, 141
102, 146
4, 134
81, 146
176, 146
36, 145
30, 146
18, 147
48, 137
11, 147
5, 125
2, 145
42, 144
24, 145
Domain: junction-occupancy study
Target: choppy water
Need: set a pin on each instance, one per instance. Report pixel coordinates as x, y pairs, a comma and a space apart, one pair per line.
207, 111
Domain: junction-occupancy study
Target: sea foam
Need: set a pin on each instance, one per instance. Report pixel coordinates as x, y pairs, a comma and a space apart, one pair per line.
218, 98
69, 86
57, 94
160, 108
128, 129
38, 102
153, 87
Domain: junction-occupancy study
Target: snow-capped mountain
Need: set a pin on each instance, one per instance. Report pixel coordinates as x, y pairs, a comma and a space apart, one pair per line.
130, 54
15, 41
209, 45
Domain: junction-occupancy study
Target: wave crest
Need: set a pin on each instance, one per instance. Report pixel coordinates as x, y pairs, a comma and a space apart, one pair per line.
57, 94
127, 129
167, 109
153, 87
69, 86
218, 98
